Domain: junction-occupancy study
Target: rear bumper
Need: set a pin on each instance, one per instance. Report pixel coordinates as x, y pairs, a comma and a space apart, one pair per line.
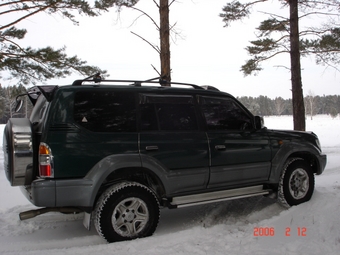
59, 193
40, 193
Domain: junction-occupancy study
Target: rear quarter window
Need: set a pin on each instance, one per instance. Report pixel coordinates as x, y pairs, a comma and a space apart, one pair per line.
39, 109
105, 111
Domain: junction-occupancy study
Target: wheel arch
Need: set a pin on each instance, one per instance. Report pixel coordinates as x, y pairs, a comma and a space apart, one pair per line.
118, 168
310, 158
140, 175
294, 150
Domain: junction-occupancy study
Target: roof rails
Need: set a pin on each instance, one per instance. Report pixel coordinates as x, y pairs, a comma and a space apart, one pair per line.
97, 79
208, 87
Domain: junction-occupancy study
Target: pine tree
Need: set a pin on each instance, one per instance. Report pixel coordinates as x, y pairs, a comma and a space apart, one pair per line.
278, 35
29, 65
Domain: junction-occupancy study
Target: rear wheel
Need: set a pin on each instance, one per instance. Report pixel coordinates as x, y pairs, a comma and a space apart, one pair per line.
296, 183
126, 211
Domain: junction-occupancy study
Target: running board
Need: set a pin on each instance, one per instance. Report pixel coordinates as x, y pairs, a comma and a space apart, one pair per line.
218, 196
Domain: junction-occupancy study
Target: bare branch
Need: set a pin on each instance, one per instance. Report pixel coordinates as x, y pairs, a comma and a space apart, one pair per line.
280, 66
319, 13
172, 2
156, 3
154, 47
24, 17
327, 63
18, 2
154, 68
256, 61
19, 10
144, 13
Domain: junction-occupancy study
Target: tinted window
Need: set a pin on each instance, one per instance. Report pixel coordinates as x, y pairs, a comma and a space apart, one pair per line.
105, 111
39, 109
224, 114
167, 113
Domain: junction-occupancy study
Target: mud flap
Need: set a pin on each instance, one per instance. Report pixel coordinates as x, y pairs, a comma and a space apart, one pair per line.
87, 221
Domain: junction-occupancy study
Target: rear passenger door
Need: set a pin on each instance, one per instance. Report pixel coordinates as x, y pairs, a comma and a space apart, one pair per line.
170, 137
240, 154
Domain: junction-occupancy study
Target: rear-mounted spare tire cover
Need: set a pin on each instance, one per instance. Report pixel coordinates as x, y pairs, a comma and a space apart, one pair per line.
18, 150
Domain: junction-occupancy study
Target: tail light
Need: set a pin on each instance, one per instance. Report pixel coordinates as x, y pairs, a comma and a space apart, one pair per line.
46, 168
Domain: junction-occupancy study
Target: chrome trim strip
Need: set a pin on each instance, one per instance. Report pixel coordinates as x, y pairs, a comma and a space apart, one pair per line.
217, 196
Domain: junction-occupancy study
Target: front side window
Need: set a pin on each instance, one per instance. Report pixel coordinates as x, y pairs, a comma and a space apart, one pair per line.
167, 113
224, 114
105, 111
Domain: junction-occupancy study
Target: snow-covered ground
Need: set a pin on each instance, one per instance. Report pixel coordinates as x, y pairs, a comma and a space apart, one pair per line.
247, 226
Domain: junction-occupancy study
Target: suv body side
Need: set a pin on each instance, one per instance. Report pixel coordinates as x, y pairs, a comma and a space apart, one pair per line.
199, 154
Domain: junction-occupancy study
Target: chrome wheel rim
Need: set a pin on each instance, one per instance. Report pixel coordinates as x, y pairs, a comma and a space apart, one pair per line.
299, 183
130, 217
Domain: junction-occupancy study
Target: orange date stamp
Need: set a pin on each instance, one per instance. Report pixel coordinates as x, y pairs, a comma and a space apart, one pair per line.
270, 231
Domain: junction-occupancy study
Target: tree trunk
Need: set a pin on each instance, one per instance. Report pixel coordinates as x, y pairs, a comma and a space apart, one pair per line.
297, 93
164, 41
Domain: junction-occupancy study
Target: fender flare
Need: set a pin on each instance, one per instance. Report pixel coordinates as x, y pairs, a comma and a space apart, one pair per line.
286, 151
100, 172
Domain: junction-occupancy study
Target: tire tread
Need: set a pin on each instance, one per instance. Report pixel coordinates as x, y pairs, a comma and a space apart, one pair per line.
103, 199
281, 194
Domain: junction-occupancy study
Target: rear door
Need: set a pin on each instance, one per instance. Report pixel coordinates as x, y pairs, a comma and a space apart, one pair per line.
171, 138
239, 153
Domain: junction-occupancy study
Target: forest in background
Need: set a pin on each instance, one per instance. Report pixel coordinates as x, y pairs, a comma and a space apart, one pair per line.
314, 105
262, 105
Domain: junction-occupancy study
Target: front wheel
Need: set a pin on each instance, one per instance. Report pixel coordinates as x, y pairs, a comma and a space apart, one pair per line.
126, 211
296, 183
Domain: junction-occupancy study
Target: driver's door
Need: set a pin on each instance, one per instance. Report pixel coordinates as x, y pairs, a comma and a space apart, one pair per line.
239, 153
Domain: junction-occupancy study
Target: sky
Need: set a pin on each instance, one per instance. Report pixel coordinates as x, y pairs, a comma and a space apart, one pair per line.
203, 51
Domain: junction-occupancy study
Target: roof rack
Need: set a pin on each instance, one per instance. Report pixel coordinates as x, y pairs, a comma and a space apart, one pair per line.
209, 87
97, 79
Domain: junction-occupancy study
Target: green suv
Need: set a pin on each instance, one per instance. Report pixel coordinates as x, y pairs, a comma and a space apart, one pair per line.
121, 150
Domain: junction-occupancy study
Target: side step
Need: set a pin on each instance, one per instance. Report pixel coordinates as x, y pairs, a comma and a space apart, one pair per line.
218, 196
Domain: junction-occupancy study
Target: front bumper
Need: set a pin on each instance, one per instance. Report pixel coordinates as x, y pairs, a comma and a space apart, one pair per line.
322, 159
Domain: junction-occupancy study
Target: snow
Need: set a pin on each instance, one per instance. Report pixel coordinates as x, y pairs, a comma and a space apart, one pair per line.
253, 226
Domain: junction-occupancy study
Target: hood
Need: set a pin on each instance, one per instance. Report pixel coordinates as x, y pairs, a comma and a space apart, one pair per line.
296, 136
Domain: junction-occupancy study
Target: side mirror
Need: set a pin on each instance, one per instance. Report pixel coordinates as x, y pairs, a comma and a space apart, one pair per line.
259, 122
18, 105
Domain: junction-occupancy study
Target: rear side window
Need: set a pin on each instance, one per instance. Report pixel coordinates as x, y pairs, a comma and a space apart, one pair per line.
224, 114
39, 109
105, 111
167, 113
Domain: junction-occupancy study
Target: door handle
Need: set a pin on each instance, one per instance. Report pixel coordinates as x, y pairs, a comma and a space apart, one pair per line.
220, 147
151, 148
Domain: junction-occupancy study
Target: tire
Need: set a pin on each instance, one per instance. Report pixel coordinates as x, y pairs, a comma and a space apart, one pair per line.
296, 184
126, 211
8, 156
